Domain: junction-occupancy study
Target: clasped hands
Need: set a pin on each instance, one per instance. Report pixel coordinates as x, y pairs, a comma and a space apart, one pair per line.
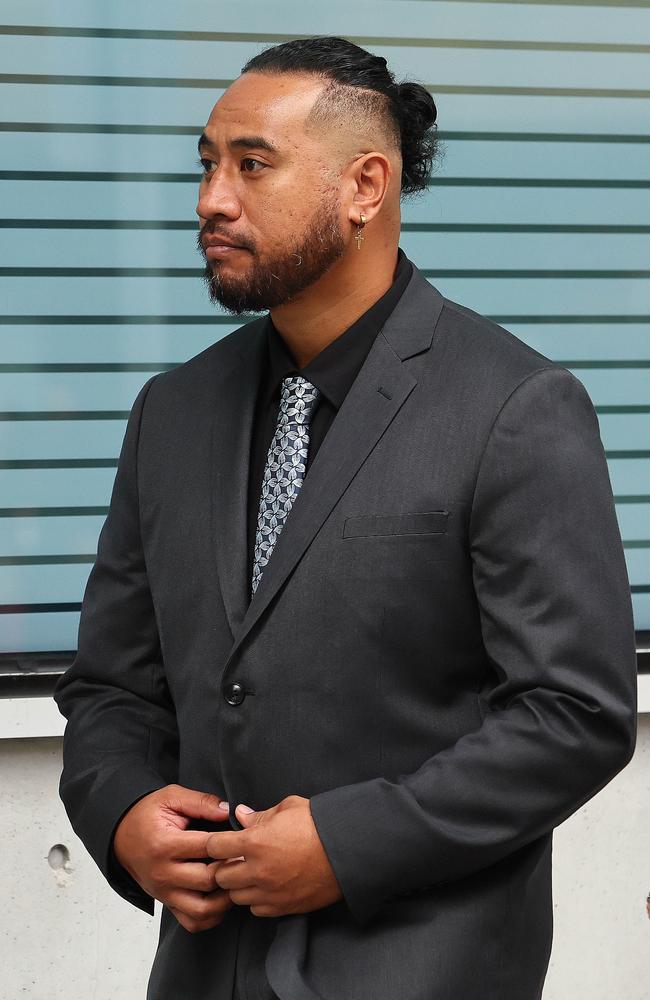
276, 865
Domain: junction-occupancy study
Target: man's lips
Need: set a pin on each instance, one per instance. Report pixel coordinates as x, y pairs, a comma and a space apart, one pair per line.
216, 250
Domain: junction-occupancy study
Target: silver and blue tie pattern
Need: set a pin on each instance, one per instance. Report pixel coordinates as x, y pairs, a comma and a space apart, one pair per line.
285, 467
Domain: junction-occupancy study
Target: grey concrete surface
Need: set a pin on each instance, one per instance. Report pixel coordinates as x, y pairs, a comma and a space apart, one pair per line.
67, 936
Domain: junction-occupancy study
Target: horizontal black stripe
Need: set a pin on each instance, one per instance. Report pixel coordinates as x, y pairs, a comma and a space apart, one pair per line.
117, 366
59, 560
21, 415
89, 558
196, 272
70, 368
627, 408
222, 319
638, 498
69, 560
90, 80
39, 609
111, 463
23, 609
446, 134
643, 363
570, 319
457, 135
100, 175
640, 588
406, 227
193, 178
81, 415
537, 182
159, 34
100, 128
55, 511
207, 83
630, 453
58, 463
219, 319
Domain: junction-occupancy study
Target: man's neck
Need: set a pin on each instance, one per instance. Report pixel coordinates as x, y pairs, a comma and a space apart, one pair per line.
325, 310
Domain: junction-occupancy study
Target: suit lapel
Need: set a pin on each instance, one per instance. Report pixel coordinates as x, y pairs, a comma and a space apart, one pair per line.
231, 443
376, 396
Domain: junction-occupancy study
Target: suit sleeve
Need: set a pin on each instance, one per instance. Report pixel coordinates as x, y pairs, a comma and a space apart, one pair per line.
120, 740
559, 720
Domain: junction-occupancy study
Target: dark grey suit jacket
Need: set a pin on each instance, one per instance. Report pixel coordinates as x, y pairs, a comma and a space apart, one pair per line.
440, 653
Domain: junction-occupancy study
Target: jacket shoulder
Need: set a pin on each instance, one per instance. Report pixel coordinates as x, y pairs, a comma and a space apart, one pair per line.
486, 353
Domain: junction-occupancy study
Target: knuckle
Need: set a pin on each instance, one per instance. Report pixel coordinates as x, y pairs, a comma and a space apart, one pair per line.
208, 800
264, 877
157, 846
205, 907
158, 878
207, 881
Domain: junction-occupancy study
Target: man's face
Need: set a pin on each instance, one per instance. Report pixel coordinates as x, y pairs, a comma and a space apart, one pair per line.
280, 206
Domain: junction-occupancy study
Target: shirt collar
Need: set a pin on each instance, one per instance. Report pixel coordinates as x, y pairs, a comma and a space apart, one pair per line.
334, 370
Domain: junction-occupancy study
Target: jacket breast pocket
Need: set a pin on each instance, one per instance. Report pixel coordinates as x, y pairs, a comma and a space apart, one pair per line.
429, 522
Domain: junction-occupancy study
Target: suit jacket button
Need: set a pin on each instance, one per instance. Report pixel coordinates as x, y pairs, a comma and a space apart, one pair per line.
234, 694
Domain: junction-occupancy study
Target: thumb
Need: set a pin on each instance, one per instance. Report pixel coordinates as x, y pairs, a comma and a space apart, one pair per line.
195, 804
247, 816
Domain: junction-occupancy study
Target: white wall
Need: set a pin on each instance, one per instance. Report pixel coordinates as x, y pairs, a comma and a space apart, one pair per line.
67, 936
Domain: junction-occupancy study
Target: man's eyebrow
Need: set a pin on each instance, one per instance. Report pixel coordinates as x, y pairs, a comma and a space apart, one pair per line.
243, 142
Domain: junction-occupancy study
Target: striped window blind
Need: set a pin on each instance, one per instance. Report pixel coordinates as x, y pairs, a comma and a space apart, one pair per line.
537, 216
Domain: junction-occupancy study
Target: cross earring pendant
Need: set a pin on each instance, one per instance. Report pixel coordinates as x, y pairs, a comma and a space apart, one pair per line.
358, 237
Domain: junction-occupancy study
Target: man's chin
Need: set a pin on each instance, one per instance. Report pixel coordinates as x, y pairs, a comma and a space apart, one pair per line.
232, 299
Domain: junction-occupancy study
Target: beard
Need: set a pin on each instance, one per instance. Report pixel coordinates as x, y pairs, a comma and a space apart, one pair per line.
276, 279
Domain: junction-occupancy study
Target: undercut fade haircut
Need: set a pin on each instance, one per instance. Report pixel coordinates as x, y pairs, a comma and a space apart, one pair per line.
361, 86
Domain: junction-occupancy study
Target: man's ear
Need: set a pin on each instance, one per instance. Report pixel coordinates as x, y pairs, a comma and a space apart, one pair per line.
372, 175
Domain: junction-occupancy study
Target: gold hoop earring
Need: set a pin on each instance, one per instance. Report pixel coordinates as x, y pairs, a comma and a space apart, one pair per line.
358, 237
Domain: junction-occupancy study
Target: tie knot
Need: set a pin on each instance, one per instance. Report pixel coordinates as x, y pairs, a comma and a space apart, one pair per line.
298, 399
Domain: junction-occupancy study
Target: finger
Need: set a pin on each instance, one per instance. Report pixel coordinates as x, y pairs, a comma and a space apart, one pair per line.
194, 926
192, 875
185, 845
197, 805
229, 844
198, 905
250, 895
233, 875
247, 816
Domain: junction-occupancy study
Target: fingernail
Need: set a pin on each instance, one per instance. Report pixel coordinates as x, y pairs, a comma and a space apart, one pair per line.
245, 809
225, 806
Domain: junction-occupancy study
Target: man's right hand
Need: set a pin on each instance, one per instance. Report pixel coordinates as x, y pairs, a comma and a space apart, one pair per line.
153, 844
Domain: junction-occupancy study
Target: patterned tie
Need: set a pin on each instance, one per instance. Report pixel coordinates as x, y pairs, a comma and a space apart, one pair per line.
285, 467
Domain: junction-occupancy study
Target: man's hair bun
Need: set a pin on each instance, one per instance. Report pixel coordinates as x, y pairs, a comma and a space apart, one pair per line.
417, 116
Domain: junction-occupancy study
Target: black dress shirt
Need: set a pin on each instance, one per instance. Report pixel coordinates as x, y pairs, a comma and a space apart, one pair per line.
332, 371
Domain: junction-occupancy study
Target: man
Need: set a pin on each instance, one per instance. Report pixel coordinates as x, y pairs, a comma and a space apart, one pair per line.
359, 632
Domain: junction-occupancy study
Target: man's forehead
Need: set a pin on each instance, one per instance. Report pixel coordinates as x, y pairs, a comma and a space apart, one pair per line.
264, 103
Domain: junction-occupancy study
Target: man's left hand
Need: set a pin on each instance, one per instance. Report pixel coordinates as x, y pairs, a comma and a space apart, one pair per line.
283, 868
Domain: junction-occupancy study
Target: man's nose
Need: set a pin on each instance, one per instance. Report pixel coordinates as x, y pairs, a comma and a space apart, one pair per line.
218, 196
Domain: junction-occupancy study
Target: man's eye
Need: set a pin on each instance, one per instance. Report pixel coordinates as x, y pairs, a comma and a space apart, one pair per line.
251, 160
206, 164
